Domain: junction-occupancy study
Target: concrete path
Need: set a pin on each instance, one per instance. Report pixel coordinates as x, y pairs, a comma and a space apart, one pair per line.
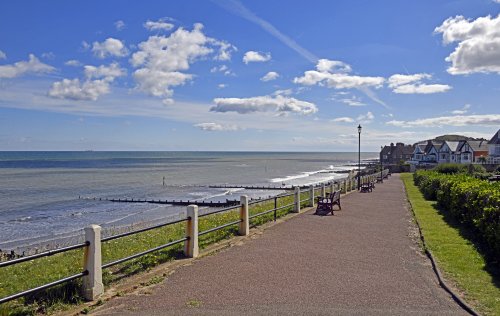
362, 261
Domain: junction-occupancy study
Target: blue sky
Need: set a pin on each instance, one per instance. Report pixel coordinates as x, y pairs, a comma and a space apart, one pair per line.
246, 75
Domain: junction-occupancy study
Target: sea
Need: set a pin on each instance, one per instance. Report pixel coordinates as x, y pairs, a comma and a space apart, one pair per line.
47, 198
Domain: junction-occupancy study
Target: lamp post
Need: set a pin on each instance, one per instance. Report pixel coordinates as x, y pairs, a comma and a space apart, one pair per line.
359, 156
381, 165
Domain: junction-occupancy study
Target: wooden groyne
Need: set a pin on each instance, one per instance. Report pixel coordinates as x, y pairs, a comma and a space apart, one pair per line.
171, 202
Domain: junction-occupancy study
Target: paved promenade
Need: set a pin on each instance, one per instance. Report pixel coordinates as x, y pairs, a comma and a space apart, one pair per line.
362, 261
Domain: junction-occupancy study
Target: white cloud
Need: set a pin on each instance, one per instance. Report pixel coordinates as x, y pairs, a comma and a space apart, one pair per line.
283, 92
458, 120
161, 59
159, 25
49, 55
85, 46
223, 69
279, 103
216, 127
239, 9
73, 63
97, 83
33, 65
463, 110
478, 48
3, 55
421, 88
351, 101
412, 84
110, 47
107, 72
343, 120
76, 90
252, 56
225, 50
326, 65
221, 85
399, 80
366, 118
334, 74
272, 75
119, 25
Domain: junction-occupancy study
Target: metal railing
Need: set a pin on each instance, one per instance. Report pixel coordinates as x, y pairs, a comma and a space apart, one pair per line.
345, 185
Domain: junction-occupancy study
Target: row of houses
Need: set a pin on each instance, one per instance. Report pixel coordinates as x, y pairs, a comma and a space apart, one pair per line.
433, 151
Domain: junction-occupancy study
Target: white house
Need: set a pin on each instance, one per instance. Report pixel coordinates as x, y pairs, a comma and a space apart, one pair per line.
448, 152
471, 150
494, 145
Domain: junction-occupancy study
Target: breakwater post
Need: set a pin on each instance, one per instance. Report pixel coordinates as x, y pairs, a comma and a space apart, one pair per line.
296, 208
244, 226
92, 282
191, 249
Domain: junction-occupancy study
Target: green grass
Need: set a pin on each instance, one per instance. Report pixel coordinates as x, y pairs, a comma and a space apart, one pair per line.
27, 275
456, 253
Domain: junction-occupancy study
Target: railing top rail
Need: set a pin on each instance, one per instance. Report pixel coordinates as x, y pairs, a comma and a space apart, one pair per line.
220, 211
43, 254
143, 230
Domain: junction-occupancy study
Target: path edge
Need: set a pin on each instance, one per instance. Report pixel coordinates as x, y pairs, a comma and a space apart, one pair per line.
435, 267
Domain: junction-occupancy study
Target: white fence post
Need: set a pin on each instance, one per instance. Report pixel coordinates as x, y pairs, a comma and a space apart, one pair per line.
311, 196
92, 282
191, 245
296, 209
332, 187
323, 190
244, 226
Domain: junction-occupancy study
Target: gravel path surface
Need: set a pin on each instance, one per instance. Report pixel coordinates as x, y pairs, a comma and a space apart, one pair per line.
362, 261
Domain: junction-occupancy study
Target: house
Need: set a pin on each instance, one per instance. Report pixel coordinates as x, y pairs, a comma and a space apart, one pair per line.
494, 145
471, 150
418, 153
448, 152
431, 151
394, 154
427, 152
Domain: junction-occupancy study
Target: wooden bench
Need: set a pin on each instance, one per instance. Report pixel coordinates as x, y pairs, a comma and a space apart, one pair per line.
326, 203
367, 187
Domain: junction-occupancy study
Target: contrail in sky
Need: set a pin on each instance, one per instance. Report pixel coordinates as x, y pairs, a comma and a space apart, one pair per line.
239, 9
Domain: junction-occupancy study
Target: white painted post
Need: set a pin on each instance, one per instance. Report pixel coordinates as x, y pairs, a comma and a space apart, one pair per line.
92, 282
311, 196
244, 226
191, 245
323, 190
296, 209
332, 187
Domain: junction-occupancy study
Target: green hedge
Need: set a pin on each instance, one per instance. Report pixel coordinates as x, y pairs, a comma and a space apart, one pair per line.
470, 200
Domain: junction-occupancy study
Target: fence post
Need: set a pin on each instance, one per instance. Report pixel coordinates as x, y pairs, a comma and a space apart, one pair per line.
323, 190
92, 282
311, 196
191, 245
332, 187
296, 209
244, 226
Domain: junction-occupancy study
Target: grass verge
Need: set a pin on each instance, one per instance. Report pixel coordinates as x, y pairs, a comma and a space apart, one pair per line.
456, 252
20, 277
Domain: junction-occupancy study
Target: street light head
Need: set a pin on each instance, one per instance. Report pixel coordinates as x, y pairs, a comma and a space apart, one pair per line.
359, 128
